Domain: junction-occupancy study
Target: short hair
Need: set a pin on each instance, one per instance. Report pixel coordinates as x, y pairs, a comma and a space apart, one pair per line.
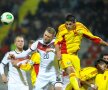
51, 30
21, 36
99, 61
70, 17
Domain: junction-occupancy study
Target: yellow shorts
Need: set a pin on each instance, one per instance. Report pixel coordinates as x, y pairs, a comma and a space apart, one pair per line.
71, 60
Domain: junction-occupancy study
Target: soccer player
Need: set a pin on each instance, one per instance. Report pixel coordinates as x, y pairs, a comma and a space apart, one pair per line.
67, 44
16, 77
104, 56
101, 79
87, 78
48, 67
31, 65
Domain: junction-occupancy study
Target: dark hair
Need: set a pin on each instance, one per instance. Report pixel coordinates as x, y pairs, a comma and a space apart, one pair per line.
103, 54
51, 30
70, 17
99, 61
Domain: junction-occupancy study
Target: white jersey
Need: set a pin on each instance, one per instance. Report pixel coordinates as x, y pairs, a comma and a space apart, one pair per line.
15, 75
47, 69
47, 59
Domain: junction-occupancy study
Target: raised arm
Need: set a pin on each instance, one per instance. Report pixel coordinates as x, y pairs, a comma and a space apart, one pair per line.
86, 33
25, 53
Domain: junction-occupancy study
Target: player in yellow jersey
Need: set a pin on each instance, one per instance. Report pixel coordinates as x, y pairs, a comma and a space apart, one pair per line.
87, 77
67, 44
104, 56
101, 79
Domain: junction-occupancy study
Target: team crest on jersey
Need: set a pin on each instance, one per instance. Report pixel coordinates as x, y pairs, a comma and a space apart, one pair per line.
68, 63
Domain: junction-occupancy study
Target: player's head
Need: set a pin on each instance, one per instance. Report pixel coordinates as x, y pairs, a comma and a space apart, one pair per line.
104, 56
49, 35
19, 42
101, 65
70, 21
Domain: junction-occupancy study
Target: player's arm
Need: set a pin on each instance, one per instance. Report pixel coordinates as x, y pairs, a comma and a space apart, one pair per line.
58, 51
103, 42
4, 62
3, 76
35, 59
59, 36
89, 84
86, 33
25, 53
24, 65
57, 43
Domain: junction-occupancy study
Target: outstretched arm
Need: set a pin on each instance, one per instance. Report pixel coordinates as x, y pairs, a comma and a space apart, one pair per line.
103, 42
89, 84
86, 33
25, 53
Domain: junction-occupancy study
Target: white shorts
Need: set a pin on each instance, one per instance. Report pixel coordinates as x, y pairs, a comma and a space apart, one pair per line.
17, 87
65, 81
43, 81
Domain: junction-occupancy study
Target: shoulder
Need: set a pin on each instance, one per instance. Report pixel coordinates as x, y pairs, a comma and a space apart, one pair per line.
39, 40
10, 52
61, 27
79, 24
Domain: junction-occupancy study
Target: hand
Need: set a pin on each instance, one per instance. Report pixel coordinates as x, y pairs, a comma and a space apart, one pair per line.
11, 56
4, 78
58, 55
15, 62
94, 87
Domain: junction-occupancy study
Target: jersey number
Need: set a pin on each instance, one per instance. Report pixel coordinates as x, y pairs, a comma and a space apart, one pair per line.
46, 56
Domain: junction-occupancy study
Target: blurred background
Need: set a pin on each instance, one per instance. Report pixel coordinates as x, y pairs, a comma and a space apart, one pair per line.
33, 16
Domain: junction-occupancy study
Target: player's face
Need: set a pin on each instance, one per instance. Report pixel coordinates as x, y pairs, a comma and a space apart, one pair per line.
102, 66
69, 25
105, 57
47, 37
19, 42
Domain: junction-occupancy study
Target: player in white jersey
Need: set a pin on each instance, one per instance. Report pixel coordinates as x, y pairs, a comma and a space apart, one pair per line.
48, 66
16, 78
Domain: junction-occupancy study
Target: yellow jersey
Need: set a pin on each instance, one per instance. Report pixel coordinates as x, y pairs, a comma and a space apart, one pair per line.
101, 81
70, 40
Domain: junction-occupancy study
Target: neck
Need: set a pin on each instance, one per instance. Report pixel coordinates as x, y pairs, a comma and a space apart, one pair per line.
74, 27
19, 49
100, 71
